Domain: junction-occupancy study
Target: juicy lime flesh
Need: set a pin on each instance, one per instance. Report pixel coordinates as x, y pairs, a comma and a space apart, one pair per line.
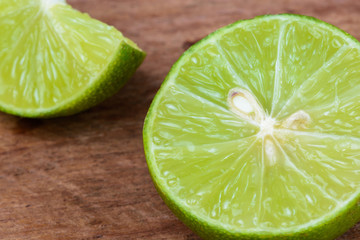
224, 169
49, 52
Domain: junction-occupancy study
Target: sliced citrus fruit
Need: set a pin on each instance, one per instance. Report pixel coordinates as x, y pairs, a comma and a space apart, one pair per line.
56, 61
255, 132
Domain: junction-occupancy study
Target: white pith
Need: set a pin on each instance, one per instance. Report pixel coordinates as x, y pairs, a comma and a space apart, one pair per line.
47, 4
247, 107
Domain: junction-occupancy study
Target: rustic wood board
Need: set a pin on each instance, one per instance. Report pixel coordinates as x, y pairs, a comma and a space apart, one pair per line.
85, 176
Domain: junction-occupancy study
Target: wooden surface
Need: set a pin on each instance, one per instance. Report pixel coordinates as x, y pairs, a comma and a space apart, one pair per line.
85, 176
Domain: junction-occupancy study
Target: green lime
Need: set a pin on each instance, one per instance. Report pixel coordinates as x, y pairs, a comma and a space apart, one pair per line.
255, 132
56, 61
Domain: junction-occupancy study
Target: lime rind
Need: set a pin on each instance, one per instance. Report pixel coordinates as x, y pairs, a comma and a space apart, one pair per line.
327, 227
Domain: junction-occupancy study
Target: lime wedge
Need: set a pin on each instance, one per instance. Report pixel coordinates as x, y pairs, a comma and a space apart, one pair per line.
255, 132
56, 61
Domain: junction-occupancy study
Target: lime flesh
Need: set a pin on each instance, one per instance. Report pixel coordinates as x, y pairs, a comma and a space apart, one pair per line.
255, 132
57, 61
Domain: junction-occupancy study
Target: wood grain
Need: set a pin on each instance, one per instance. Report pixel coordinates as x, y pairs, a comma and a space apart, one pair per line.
85, 176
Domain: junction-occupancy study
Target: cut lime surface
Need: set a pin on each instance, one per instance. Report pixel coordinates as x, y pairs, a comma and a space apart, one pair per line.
56, 61
255, 132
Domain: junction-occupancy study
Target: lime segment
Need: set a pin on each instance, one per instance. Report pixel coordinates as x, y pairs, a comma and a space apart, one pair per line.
54, 59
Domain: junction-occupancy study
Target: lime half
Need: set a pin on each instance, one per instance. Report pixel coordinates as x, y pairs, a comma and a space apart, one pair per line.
255, 132
56, 61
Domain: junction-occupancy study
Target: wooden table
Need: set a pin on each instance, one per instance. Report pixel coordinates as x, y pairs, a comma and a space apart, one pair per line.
85, 176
